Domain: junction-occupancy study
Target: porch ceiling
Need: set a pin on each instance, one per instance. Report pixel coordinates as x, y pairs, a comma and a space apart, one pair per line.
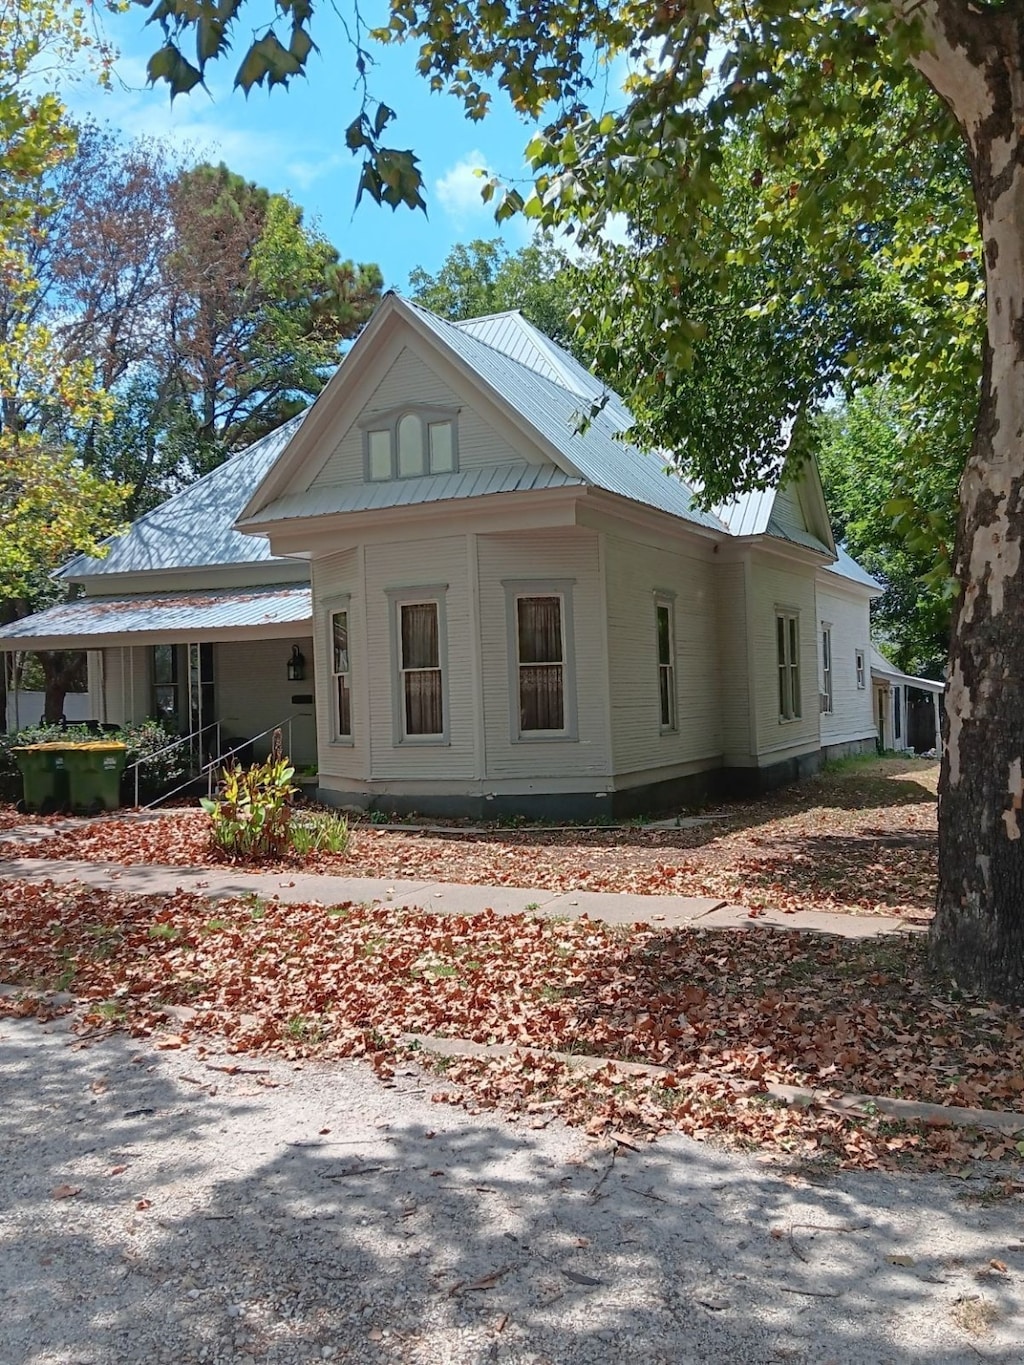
228, 614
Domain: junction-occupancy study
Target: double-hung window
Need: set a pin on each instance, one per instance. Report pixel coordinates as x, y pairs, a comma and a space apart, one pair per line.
419, 644
341, 671
666, 636
826, 669
542, 681
787, 641
861, 670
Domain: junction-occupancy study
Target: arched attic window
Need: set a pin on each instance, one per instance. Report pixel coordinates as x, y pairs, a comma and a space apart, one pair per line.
409, 442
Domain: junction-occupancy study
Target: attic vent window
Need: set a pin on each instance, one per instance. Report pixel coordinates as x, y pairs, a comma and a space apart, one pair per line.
410, 443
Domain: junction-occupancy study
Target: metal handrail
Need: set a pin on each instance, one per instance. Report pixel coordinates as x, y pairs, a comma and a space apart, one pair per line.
219, 760
168, 748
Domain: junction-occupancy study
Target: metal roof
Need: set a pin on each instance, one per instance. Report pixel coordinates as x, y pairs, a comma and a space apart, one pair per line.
598, 453
366, 497
184, 613
747, 514
847, 567
883, 669
195, 528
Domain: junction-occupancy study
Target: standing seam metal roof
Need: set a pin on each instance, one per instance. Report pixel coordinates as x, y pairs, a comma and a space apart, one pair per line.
195, 528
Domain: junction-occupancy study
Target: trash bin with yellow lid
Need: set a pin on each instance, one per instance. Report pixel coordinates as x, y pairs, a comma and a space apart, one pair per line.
44, 779
91, 770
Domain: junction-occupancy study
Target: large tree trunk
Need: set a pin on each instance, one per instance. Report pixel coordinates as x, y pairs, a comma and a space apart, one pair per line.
978, 933
63, 672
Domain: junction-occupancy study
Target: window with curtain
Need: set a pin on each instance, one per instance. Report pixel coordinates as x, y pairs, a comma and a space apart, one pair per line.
666, 664
541, 664
166, 697
826, 669
421, 681
340, 668
787, 638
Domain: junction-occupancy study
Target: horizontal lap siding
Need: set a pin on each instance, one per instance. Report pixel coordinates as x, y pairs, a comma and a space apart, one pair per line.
252, 693
415, 564
851, 716
334, 577
734, 673
788, 589
127, 682
634, 574
544, 555
412, 381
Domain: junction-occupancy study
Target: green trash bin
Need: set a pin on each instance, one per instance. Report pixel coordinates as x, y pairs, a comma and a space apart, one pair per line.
94, 771
44, 778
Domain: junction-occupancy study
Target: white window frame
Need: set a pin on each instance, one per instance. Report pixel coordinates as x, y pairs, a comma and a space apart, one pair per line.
860, 662
435, 594
827, 669
788, 678
337, 607
544, 587
388, 423
666, 601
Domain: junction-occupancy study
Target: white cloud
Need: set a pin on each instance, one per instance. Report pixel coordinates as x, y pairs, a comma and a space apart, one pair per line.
458, 190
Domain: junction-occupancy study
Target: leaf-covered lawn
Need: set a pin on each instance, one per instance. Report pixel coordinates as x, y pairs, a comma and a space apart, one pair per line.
726, 1012
861, 839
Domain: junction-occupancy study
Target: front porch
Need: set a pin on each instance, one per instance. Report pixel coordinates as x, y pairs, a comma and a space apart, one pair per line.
221, 666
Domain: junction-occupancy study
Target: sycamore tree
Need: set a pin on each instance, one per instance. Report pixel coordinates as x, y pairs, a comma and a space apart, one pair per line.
809, 81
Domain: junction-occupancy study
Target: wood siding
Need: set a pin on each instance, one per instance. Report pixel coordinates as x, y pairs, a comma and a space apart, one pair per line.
252, 692
849, 617
777, 588
540, 556
733, 663
410, 380
336, 578
126, 675
634, 574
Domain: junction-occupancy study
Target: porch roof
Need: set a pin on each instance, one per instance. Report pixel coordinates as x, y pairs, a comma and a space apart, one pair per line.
883, 671
232, 613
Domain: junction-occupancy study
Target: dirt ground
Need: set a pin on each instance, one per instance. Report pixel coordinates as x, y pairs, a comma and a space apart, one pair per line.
860, 838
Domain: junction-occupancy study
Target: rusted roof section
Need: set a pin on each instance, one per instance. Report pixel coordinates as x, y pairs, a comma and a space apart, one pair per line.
187, 613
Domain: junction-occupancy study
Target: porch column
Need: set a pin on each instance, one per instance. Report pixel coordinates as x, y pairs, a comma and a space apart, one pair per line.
936, 698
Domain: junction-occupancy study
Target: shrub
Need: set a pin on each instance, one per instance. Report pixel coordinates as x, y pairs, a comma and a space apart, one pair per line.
158, 772
319, 831
251, 814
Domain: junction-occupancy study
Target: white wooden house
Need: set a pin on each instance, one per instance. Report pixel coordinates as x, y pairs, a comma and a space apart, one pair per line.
499, 608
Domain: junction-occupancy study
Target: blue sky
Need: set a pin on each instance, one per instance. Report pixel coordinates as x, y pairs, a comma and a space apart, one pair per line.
293, 140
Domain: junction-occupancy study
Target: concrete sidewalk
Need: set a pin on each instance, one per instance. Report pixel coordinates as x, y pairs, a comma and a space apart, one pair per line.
448, 897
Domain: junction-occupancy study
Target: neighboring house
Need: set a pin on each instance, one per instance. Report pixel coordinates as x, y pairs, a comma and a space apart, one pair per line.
501, 609
906, 708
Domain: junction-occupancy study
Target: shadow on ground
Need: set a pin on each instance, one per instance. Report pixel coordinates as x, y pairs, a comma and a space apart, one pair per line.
302, 1214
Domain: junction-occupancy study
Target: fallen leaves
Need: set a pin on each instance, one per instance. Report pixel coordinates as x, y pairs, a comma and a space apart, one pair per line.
722, 1015
65, 1191
860, 841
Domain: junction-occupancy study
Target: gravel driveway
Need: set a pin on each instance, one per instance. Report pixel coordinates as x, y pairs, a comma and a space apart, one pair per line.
293, 1214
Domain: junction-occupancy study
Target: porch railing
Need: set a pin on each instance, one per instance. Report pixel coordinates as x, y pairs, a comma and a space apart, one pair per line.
209, 768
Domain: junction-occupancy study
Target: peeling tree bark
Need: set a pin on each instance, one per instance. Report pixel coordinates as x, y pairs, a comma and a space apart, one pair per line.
974, 62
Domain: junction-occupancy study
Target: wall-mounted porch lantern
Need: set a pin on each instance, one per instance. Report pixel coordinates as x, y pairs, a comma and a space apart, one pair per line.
296, 665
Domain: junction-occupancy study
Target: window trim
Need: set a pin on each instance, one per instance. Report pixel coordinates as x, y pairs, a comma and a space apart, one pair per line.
827, 668
794, 713
515, 588
175, 683
333, 607
407, 597
429, 415
860, 666
664, 600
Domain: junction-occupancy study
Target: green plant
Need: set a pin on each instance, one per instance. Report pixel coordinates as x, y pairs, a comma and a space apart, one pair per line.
251, 815
319, 831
